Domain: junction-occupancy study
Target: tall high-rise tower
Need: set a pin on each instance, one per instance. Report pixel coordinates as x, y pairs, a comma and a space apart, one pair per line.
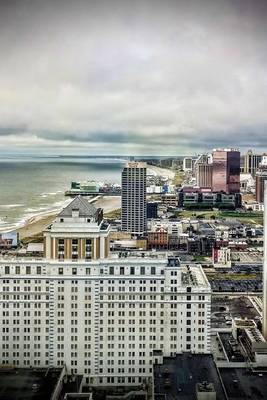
204, 175
226, 171
133, 198
251, 162
261, 177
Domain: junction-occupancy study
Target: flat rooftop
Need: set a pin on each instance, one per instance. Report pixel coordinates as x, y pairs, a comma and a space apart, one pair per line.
178, 376
243, 384
224, 309
27, 384
244, 285
232, 348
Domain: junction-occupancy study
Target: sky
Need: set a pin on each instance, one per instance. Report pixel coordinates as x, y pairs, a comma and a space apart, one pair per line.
132, 77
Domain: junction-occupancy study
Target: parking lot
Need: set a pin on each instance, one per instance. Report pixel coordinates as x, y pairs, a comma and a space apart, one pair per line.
244, 285
247, 256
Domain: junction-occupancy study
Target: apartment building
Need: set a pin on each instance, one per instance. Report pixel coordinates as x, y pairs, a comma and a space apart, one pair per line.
133, 198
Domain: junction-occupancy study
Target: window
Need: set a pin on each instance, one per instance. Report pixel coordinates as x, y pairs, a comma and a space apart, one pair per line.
132, 271
153, 270
60, 271
28, 270
39, 270
61, 220
17, 270
74, 271
142, 271
7, 269
121, 270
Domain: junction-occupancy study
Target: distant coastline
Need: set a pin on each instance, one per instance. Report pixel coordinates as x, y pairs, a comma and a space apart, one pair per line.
37, 223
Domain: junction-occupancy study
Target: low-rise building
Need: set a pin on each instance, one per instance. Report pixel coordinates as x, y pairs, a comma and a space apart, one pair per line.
221, 257
158, 239
8, 240
206, 200
170, 200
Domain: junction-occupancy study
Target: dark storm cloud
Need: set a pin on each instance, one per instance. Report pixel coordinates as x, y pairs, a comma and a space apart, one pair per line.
142, 76
12, 130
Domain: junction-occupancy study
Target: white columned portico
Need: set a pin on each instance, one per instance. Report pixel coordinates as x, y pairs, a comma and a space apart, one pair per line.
102, 247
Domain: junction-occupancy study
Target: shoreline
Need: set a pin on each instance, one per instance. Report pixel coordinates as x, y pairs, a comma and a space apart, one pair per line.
164, 172
35, 224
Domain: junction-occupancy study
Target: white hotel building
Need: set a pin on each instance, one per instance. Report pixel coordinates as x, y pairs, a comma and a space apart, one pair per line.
106, 318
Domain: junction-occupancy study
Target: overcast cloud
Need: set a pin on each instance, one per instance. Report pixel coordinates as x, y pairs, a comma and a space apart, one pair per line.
132, 77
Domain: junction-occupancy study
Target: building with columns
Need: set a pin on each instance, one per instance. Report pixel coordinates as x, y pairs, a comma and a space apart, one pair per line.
102, 316
252, 162
78, 233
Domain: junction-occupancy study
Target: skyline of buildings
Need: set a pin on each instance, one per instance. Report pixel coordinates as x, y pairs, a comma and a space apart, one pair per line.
108, 304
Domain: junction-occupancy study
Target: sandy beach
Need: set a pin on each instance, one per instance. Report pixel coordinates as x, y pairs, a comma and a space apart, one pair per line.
165, 173
36, 224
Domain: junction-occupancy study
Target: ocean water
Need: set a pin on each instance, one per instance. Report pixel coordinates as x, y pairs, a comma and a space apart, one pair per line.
30, 186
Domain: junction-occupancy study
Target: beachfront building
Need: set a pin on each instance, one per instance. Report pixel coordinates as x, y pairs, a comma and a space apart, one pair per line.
105, 318
78, 233
133, 198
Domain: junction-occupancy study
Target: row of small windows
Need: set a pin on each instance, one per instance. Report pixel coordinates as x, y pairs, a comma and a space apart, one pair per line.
28, 270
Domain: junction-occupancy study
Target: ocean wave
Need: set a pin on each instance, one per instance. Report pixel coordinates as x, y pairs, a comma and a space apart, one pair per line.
43, 211
8, 206
32, 214
47, 194
36, 209
9, 227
